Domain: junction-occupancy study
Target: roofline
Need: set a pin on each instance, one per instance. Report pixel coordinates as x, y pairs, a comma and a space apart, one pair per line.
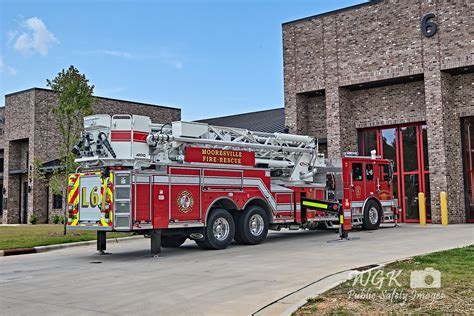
98, 97
356, 6
220, 117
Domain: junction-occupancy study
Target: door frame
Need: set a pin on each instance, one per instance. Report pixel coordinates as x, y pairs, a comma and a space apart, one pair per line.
24, 202
468, 164
400, 173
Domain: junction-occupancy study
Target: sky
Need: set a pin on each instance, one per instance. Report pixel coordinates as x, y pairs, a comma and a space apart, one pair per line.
208, 57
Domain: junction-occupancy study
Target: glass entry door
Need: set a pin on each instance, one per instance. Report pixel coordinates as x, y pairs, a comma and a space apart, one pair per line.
407, 147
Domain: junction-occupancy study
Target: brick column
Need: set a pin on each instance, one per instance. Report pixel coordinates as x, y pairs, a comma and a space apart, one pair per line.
436, 137
289, 74
333, 102
442, 122
333, 121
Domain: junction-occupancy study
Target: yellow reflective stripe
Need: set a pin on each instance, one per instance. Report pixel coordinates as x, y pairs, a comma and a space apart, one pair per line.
73, 190
104, 183
111, 196
341, 219
103, 222
315, 204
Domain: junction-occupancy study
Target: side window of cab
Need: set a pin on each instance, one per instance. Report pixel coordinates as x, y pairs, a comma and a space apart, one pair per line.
369, 172
357, 172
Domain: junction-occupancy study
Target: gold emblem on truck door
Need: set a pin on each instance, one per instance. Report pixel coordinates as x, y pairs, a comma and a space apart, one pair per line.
185, 201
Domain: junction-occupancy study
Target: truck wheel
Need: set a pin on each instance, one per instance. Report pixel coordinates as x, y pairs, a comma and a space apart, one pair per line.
252, 226
372, 216
172, 241
220, 230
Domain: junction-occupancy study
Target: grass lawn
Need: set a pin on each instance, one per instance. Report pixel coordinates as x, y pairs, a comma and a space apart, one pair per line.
26, 236
357, 296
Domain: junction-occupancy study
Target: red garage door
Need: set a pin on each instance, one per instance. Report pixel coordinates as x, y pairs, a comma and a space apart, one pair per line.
468, 153
407, 146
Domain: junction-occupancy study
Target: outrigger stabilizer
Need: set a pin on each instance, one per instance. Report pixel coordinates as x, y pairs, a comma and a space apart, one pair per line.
326, 209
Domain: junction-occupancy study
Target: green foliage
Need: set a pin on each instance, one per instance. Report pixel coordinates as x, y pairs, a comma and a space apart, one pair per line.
75, 101
33, 219
58, 181
37, 172
56, 219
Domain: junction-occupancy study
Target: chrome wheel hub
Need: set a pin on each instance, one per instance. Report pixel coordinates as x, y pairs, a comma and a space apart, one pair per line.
256, 225
373, 215
221, 229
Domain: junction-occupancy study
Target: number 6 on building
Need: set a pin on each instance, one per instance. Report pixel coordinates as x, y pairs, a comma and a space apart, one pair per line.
428, 28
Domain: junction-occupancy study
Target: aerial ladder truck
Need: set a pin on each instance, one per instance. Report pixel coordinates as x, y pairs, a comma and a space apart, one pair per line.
212, 184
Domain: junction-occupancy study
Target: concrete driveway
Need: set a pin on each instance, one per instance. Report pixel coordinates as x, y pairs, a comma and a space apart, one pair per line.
237, 281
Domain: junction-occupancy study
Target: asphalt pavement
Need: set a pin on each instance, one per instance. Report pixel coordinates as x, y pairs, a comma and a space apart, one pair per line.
240, 280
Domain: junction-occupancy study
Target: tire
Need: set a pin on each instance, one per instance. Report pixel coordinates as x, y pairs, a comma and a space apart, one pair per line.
173, 241
252, 226
219, 231
372, 215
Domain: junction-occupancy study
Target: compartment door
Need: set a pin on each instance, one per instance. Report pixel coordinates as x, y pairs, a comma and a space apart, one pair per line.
142, 200
185, 195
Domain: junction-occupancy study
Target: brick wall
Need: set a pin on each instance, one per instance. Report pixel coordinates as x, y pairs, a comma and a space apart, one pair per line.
31, 133
2, 128
375, 68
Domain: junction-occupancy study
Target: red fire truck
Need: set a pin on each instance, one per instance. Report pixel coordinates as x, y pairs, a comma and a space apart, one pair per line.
215, 184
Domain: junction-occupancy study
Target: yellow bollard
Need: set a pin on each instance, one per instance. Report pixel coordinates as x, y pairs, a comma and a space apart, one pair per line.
443, 200
422, 208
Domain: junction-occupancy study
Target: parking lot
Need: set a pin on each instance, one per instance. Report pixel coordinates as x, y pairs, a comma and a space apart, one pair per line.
239, 280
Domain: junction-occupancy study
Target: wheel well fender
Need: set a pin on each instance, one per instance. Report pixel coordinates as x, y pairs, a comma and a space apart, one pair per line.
371, 198
221, 202
261, 203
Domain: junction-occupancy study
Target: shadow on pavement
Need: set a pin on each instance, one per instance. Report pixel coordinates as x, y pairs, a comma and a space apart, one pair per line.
116, 254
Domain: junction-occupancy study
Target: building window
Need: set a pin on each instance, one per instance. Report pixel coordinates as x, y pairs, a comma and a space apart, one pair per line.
57, 201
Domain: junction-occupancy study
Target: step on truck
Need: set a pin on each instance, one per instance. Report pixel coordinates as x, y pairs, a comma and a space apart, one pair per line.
213, 184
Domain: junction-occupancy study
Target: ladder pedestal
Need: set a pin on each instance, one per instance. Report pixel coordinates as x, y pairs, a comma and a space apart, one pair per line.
155, 237
101, 242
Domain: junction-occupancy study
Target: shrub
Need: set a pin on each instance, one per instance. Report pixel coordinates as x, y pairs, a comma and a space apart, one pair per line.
33, 219
62, 219
56, 219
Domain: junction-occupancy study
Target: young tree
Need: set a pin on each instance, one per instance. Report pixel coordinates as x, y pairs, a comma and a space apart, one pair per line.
75, 101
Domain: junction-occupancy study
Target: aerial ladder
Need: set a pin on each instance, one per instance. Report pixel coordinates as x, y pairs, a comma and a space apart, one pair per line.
290, 156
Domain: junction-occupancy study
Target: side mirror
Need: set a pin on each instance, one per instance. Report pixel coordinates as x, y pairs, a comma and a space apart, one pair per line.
388, 172
330, 181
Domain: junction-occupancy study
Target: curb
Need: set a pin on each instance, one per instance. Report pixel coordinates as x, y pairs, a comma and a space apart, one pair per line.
39, 249
291, 302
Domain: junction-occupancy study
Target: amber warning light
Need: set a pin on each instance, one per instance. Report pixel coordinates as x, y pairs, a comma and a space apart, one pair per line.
220, 156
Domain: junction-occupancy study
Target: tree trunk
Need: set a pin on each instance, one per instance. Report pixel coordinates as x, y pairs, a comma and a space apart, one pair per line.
65, 209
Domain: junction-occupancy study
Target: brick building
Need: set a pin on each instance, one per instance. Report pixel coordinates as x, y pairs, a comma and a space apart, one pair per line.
27, 132
395, 76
